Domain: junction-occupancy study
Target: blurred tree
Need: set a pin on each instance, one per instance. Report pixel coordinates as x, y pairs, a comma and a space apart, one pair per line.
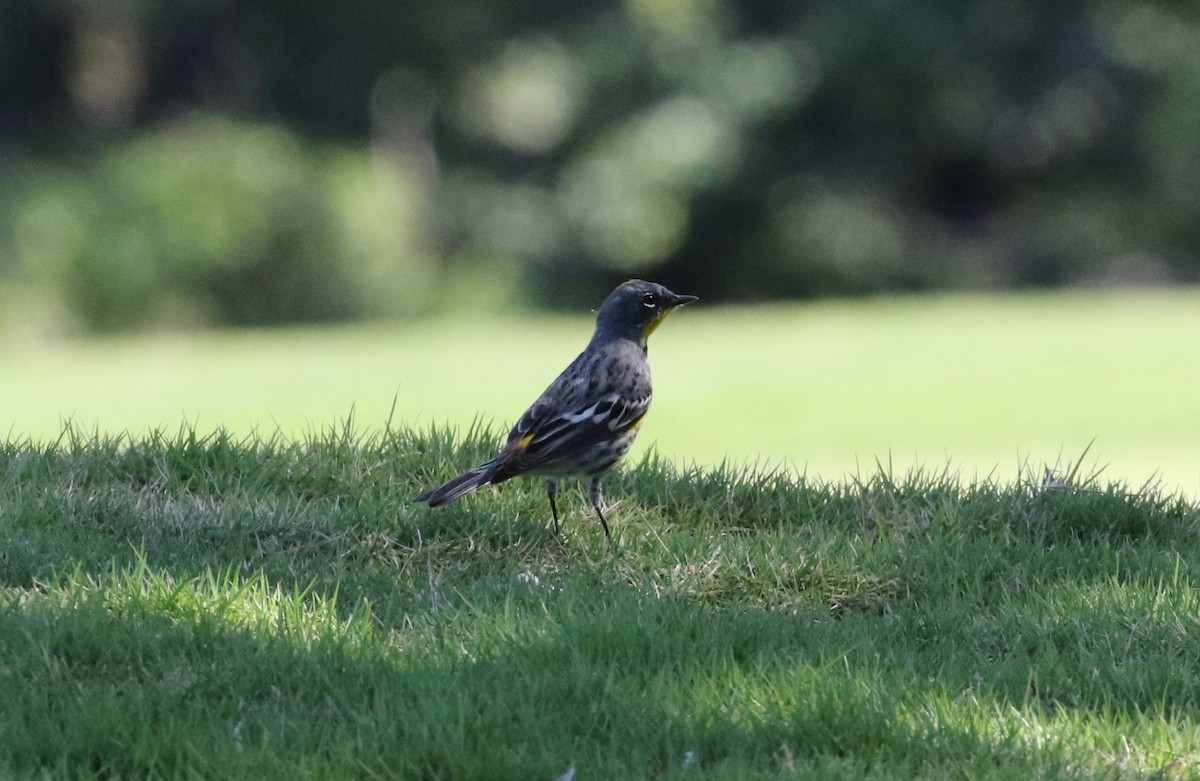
274, 161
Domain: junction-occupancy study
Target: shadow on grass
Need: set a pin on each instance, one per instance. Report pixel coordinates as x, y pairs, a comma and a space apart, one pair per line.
613, 684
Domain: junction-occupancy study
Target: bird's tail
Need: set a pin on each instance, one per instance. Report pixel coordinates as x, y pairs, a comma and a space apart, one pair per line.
459, 486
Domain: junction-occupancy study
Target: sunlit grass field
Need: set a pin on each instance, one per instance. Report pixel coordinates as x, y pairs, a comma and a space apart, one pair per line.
189, 607
982, 384
178, 603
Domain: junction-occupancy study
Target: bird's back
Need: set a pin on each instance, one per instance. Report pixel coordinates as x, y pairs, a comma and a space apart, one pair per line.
601, 395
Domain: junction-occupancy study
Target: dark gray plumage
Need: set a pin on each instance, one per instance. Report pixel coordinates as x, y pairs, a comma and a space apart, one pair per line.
585, 422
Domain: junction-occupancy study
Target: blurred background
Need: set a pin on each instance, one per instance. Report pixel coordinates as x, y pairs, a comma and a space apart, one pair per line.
219, 162
170, 167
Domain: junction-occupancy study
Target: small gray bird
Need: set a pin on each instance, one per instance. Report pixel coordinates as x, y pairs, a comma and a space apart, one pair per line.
585, 422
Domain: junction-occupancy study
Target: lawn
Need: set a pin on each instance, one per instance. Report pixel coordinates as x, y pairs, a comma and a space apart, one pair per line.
178, 603
982, 384
186, 605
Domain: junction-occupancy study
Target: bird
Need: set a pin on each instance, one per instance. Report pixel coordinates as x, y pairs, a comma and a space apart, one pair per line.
589, 416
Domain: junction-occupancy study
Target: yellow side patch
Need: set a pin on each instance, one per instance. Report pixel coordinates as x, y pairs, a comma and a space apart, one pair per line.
524, 441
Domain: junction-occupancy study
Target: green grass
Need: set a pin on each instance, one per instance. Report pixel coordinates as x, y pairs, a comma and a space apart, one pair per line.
983, 383
190, 606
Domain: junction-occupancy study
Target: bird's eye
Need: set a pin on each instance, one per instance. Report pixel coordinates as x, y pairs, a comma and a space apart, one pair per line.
648, 300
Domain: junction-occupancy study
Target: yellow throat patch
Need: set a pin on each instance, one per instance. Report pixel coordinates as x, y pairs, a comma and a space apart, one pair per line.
649, 327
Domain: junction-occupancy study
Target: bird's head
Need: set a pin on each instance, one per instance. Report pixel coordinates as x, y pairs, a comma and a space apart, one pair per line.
636, 308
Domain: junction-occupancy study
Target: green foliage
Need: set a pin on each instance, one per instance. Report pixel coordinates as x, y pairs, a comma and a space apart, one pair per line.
210, 606
176, 163
211, 221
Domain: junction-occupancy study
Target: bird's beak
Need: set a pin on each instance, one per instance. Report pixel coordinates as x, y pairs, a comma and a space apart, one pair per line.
681, 300
665, 309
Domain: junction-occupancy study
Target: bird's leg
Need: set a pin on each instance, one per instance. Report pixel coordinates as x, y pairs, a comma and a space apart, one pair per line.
598, 498
551, 492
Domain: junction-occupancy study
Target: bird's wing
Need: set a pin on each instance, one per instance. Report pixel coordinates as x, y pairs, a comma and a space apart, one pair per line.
544, 436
